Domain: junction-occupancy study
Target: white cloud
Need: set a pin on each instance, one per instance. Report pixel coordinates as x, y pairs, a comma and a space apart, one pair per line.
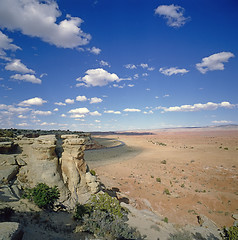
43, 74
77, 116
56, 110
136, 76
147, 89
130, 66
166, 95
18, 110
222, 122
95, 100
63, 115
17, 66
131, 110
80, 111
97, 121
39, 19
69, 101
48, 124
131, 85
199, 107
81, 98
60, 104
173, 14
118, 86
173, 70
95, 113
149, 112
27, 78
97, 77
214, 62
156, 97
6, 44
112, 111
144, 65
145, 74
32, 101
43, 113
94, 50
22, 124
150, 68
22, 117
104, 63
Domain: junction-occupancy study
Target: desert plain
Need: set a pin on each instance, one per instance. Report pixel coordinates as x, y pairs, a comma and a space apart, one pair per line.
178, 174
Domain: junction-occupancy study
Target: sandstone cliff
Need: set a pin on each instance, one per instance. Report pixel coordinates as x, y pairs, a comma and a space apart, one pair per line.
54, 161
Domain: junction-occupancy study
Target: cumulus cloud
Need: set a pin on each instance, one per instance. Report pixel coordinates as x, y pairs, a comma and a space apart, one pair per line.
95, 113
17, 66
69, 101
131, 110
22, 117
22, 124
199, 107
97, 121
97, 77
131, 85
214, 62
144, 65
32, 101
43, 113
95, 100
112, 111
56, 110
173, 14
130, 66
6, 44
104, 63
94, 50
60, 104
63, 115
173, 70
27, 78
39, 19
81, 98
149, 112
81, 111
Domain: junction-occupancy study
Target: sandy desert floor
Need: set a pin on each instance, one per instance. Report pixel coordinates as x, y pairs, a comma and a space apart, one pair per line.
178, 174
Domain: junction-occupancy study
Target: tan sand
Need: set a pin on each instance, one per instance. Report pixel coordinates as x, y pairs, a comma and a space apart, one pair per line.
200, 173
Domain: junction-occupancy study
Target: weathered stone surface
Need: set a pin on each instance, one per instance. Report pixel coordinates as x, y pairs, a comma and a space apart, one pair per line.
41, 164
10, 231
7, 173
7, 147
6, 159
9, 194
235, 216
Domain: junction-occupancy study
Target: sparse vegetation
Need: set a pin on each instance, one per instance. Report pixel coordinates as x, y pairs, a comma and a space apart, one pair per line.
166, 220
42, 195
185, 235
163, 161
158, 180
225, 148
93, 172
166, 191
104, 217
230, 233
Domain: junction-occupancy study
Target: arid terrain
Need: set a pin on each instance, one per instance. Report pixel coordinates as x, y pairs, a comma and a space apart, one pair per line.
179, 174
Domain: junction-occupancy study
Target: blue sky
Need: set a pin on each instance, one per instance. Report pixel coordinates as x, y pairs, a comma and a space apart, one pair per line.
102, 65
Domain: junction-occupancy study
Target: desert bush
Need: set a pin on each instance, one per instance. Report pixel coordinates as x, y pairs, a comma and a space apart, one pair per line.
104, 217
166, 191
42, 195
185, 235
230, 233
166, 220
93, 172
163, 161
158, 180
109, 227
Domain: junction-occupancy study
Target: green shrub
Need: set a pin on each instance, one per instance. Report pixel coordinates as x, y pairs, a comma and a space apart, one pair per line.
164, 162
109, 227
166, 191
231, 233
43, 195
93, 172
185, 235
104, 217
166, 220
158, 180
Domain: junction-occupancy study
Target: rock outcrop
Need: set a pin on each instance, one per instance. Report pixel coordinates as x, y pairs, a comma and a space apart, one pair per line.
10, 231
54, 161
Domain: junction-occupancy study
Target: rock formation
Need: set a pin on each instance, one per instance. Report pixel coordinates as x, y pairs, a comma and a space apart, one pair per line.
54, 161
